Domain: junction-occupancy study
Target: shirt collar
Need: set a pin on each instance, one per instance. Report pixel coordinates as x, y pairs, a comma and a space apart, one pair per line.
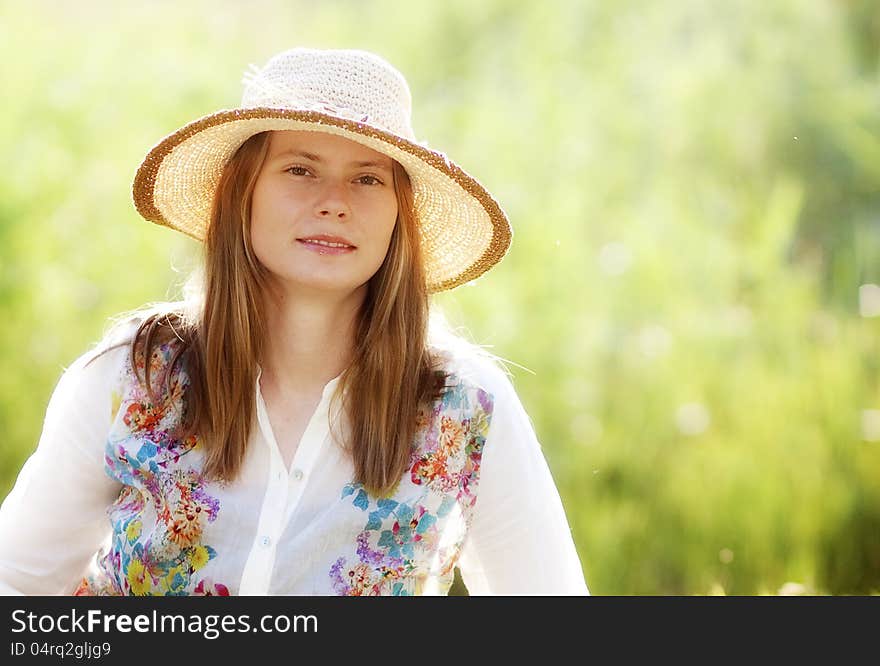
326, 392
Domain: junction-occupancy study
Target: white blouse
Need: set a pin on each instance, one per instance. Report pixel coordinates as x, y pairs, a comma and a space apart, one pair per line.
110, 503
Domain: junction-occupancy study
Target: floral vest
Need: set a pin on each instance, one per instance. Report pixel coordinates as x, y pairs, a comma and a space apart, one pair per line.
406, 543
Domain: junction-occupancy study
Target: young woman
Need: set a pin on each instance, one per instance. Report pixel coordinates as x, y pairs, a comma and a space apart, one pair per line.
299, 426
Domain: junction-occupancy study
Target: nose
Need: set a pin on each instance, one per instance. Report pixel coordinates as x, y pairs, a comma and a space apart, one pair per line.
332, 203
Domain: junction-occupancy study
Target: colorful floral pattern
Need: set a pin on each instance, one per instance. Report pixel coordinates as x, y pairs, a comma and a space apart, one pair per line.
416, 536
161, 513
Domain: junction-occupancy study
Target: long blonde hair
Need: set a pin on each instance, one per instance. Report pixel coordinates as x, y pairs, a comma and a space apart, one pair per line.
393, 373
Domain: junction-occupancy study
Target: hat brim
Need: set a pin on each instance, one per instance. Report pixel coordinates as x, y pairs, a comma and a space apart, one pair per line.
463, 229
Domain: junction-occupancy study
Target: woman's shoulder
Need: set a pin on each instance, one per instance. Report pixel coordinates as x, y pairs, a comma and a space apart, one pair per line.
110, 350
86, 385
470, 366
112, 353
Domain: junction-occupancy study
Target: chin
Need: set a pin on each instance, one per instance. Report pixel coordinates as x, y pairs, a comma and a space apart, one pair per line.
328, 284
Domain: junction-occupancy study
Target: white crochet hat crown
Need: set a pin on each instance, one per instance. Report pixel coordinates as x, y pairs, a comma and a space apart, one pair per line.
354, 94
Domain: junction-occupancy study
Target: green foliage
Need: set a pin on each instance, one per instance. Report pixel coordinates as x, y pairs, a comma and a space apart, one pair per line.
694, 191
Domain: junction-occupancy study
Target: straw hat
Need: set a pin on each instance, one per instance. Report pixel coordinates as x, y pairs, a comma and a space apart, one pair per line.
353, 94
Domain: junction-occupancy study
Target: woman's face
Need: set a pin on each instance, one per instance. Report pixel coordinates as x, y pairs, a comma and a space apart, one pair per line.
323, 211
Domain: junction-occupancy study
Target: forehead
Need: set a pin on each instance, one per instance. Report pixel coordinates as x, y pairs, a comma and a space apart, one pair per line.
330, 147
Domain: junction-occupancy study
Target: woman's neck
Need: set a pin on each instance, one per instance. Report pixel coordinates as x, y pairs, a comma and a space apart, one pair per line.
309, 340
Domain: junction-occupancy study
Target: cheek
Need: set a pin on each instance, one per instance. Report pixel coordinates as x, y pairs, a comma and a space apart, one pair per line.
265, 231
258, 214
265, 242
389, 221
257, 232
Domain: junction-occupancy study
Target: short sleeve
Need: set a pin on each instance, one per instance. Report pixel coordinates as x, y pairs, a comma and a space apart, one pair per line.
54, 519
519, 542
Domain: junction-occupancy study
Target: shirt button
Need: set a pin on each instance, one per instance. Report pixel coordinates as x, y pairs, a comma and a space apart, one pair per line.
281, 476
265, 541
298, 474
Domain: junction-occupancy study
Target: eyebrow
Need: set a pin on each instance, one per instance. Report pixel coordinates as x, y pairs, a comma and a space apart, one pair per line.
316, 158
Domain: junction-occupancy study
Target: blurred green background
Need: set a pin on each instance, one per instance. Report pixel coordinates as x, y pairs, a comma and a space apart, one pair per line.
692, 288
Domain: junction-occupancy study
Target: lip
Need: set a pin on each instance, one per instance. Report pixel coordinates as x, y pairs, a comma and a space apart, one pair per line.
328, 238
323, 249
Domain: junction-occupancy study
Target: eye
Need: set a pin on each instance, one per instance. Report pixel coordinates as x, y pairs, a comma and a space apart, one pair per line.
368, 179
297, 171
